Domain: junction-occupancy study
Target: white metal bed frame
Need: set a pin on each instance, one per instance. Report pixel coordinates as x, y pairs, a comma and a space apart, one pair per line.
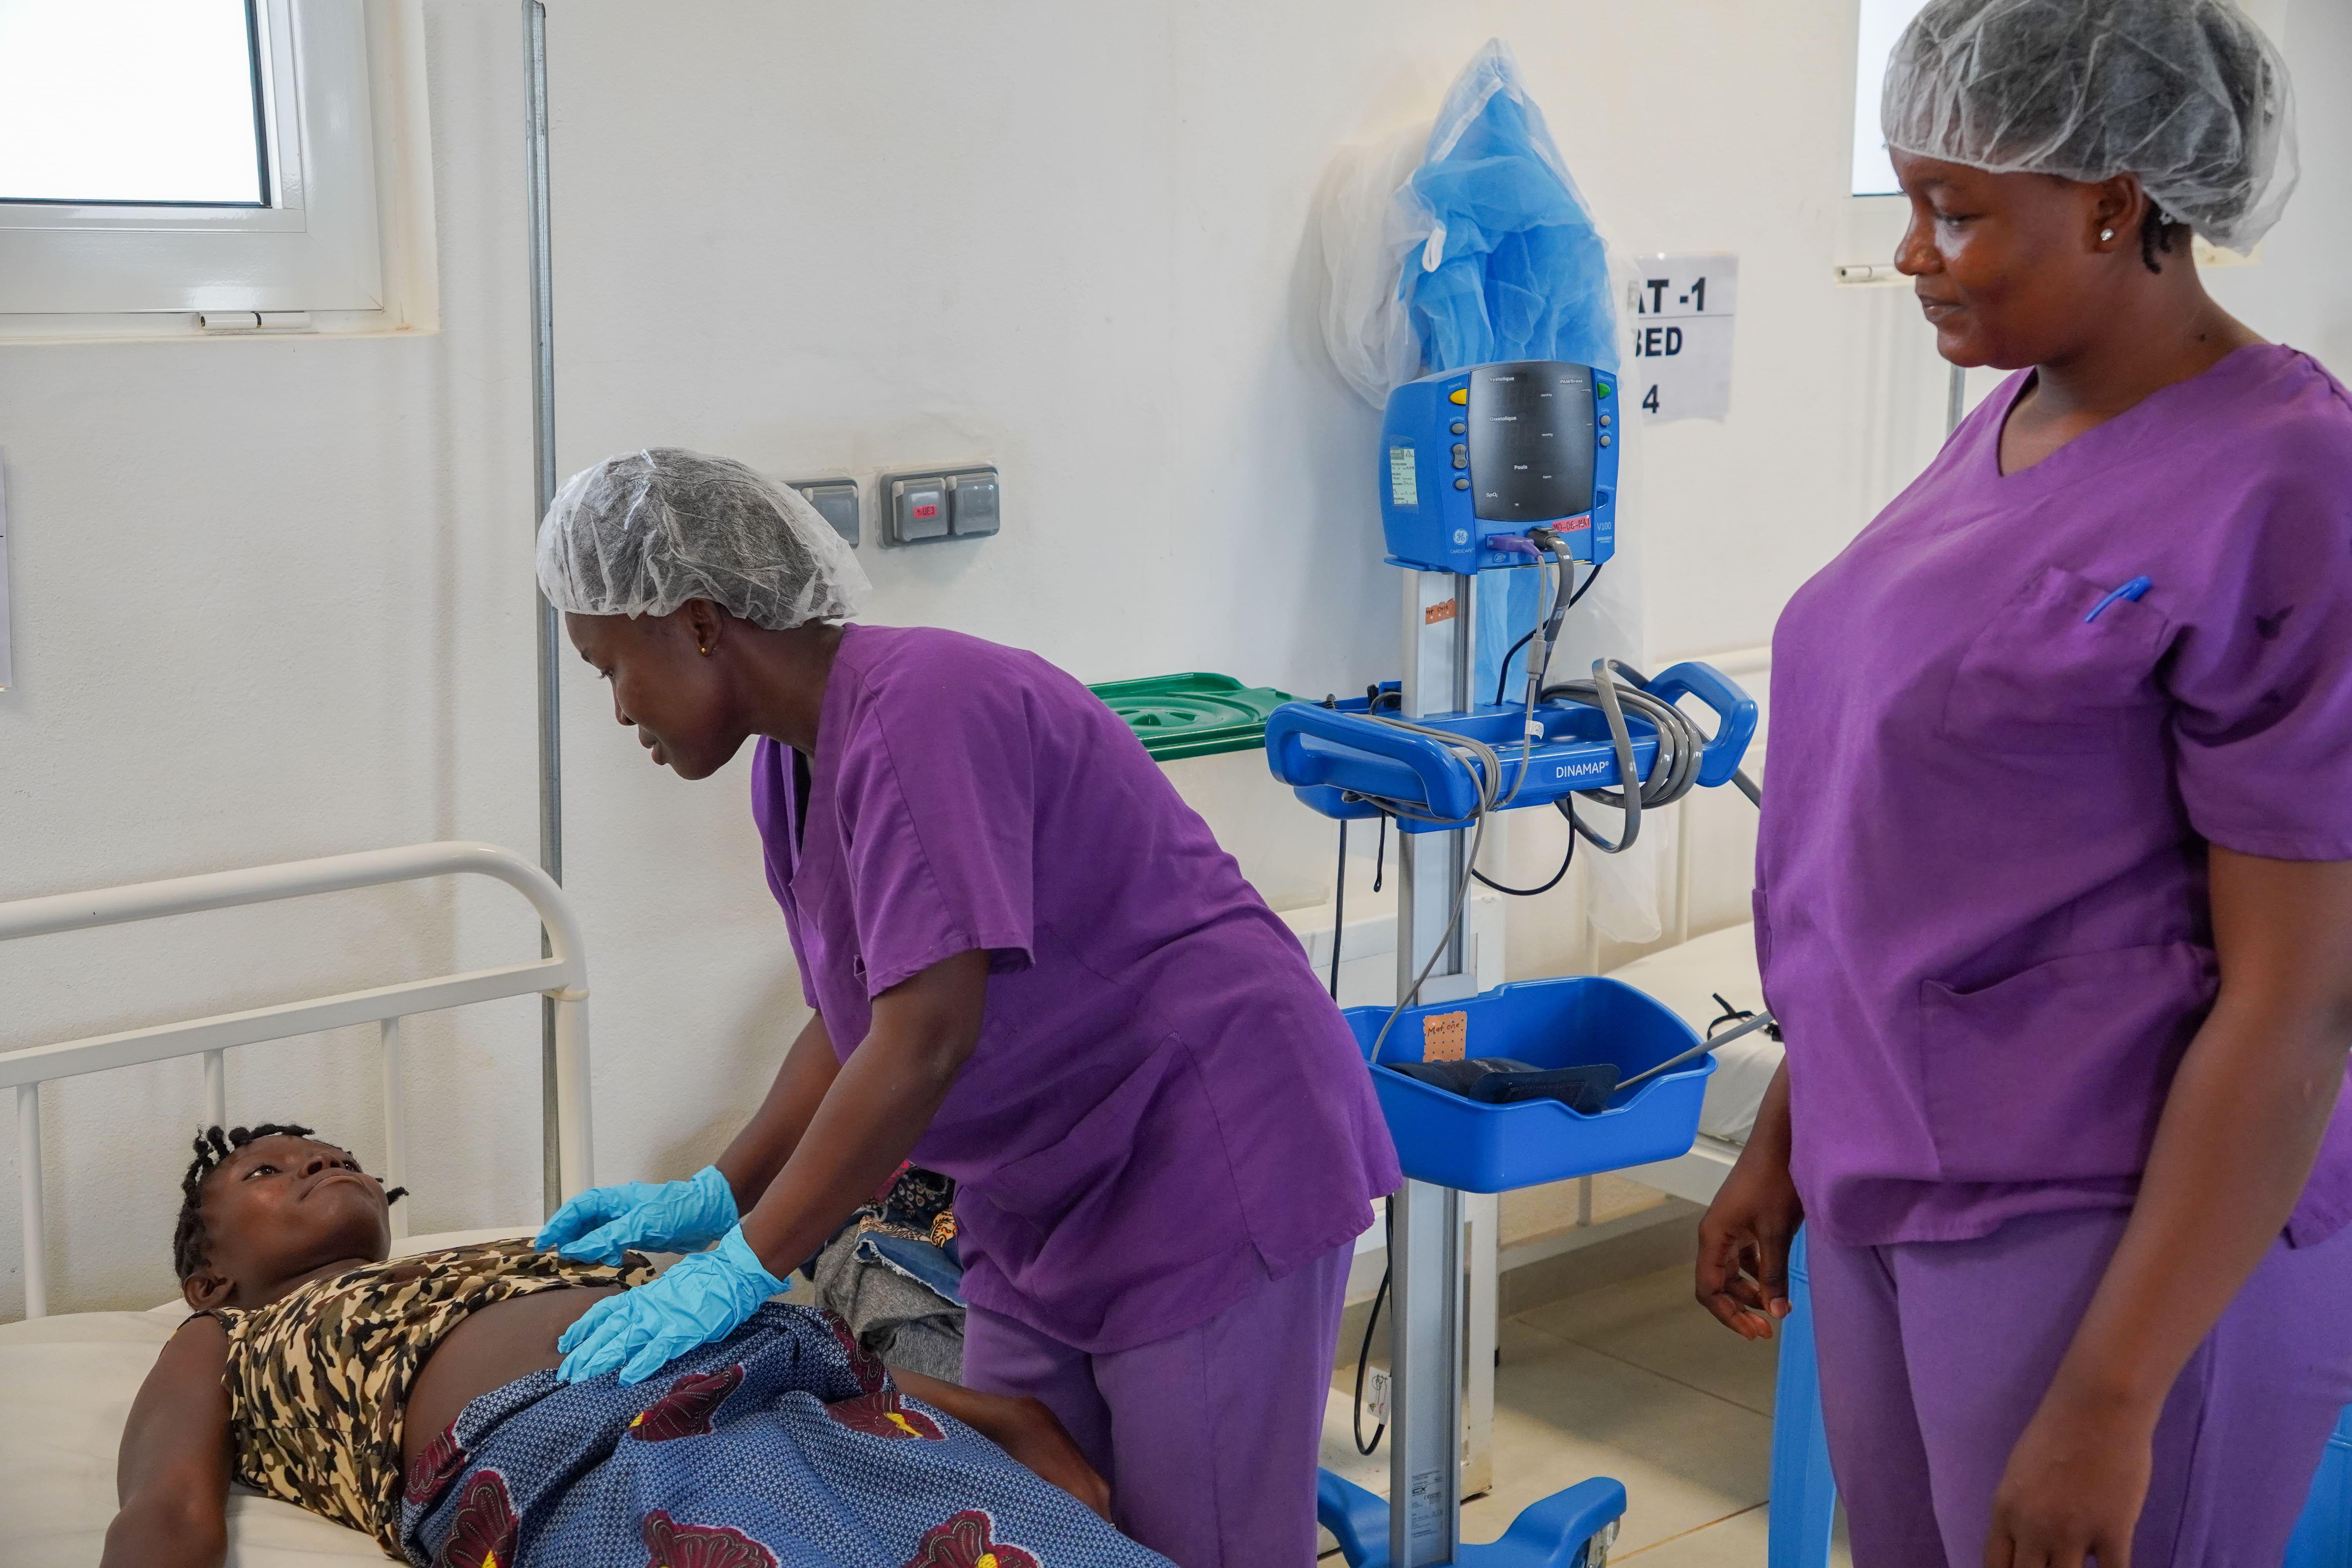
1695, 1175
562, 977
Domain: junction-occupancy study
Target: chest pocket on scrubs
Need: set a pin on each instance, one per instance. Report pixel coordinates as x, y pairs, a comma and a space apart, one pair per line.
2041, 677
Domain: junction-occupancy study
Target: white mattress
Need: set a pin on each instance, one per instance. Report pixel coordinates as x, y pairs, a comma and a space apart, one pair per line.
1686, 978
66, 1387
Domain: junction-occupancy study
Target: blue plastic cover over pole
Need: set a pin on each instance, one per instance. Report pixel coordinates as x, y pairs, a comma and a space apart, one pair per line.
1514, 269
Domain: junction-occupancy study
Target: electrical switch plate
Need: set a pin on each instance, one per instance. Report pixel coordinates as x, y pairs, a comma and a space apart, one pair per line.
835, 500
972, 509
919, 507
931, 504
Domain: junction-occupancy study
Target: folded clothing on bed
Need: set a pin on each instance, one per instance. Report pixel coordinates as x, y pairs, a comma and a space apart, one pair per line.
894, 1272
780, 1446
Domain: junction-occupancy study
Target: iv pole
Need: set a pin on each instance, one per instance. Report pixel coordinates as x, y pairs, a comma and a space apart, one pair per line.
542, 390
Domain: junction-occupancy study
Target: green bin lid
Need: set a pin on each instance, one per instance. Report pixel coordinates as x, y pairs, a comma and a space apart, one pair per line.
1192, 715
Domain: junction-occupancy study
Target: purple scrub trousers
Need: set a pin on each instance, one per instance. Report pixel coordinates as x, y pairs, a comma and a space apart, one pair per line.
1940, 1353
1208, 1437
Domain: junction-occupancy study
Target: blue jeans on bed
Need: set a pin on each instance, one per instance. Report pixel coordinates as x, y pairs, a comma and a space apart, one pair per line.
783, 1444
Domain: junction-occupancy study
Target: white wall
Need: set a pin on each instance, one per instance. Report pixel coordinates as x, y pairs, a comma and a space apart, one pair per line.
273, 596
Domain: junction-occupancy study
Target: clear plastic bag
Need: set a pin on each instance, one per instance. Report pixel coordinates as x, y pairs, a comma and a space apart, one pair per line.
1512, 266
1367, 229
1462, 242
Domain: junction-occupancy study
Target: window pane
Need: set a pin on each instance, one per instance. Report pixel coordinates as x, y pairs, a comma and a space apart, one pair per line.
1883, 22
128, 100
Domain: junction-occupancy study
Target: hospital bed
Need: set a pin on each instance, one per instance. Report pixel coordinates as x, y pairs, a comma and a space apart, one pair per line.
67, 1381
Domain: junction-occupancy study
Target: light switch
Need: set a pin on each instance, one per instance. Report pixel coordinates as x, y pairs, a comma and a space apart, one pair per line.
929, 505
835, 500
972, 502
918, 508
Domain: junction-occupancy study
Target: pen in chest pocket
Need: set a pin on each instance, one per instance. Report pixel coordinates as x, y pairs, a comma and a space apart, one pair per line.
2134, 591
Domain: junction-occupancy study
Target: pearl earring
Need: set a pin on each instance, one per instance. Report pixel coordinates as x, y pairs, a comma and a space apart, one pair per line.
2105, 235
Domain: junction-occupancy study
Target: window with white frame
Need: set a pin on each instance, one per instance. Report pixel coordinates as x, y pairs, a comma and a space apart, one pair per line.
1880, 29
184, 165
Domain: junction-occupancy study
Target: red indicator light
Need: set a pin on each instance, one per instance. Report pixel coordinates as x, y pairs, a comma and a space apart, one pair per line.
931, 510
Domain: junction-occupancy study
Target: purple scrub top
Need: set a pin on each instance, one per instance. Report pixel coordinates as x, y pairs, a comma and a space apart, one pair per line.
1981, 902
1164, 1110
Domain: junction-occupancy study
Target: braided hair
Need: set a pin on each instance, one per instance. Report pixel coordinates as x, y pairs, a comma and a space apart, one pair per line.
2156, 233
213, 1148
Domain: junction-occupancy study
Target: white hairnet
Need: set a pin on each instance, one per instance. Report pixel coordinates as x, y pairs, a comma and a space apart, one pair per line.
641, 533
2186, 94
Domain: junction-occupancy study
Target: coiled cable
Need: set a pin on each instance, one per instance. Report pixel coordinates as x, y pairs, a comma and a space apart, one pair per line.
1674, 771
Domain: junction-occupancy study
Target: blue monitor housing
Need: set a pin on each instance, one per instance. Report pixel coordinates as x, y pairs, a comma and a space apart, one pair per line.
1472, 455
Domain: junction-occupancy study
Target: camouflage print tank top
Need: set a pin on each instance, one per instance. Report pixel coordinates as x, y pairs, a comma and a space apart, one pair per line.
318, 1380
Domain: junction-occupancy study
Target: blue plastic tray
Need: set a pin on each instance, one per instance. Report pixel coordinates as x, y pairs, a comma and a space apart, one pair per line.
1458, 1143
1332, 756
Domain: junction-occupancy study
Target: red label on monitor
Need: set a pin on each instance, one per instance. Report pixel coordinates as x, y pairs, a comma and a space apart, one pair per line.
1574, 525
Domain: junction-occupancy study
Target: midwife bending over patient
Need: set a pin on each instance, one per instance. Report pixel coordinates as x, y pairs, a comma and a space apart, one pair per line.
416, 1400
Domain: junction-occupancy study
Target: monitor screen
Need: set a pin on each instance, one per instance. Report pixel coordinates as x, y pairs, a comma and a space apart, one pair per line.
1530, 440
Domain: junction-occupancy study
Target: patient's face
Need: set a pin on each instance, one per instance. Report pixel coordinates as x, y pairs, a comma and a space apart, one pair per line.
283, 1207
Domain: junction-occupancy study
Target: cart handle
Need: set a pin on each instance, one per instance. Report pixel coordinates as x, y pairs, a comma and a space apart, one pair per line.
1301, 736
1734, 713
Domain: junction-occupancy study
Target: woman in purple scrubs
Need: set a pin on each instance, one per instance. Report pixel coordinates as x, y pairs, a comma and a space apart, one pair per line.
1028, 966
2055, 880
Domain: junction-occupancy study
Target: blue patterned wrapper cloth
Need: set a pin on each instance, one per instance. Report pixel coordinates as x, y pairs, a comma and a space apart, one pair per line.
783, 1445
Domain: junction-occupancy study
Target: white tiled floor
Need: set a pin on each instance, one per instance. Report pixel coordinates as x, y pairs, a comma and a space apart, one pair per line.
1634, 1380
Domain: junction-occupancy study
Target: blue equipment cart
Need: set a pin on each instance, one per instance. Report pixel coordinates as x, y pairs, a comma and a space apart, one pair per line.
1494, 468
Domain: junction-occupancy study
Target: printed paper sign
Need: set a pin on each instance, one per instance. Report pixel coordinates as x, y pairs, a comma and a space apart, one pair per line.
1682, 312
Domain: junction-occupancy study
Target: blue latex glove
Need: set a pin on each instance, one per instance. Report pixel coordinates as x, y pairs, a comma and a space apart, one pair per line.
702, 1297
598, 1225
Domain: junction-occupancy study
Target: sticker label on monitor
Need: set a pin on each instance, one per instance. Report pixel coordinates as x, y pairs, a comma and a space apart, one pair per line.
1405, 480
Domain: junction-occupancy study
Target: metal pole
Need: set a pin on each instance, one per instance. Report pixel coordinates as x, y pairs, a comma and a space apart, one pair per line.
551, 712
1956, 399
395, 1120
1426, 1393
31, 1206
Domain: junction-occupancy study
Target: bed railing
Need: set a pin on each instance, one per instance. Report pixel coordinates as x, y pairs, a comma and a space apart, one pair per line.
562, 977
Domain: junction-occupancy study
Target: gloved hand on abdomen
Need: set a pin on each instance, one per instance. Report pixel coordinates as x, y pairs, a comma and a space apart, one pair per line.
599, 1225
702, 1297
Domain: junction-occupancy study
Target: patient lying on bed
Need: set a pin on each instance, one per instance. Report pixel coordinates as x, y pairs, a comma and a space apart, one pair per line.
416, 1400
